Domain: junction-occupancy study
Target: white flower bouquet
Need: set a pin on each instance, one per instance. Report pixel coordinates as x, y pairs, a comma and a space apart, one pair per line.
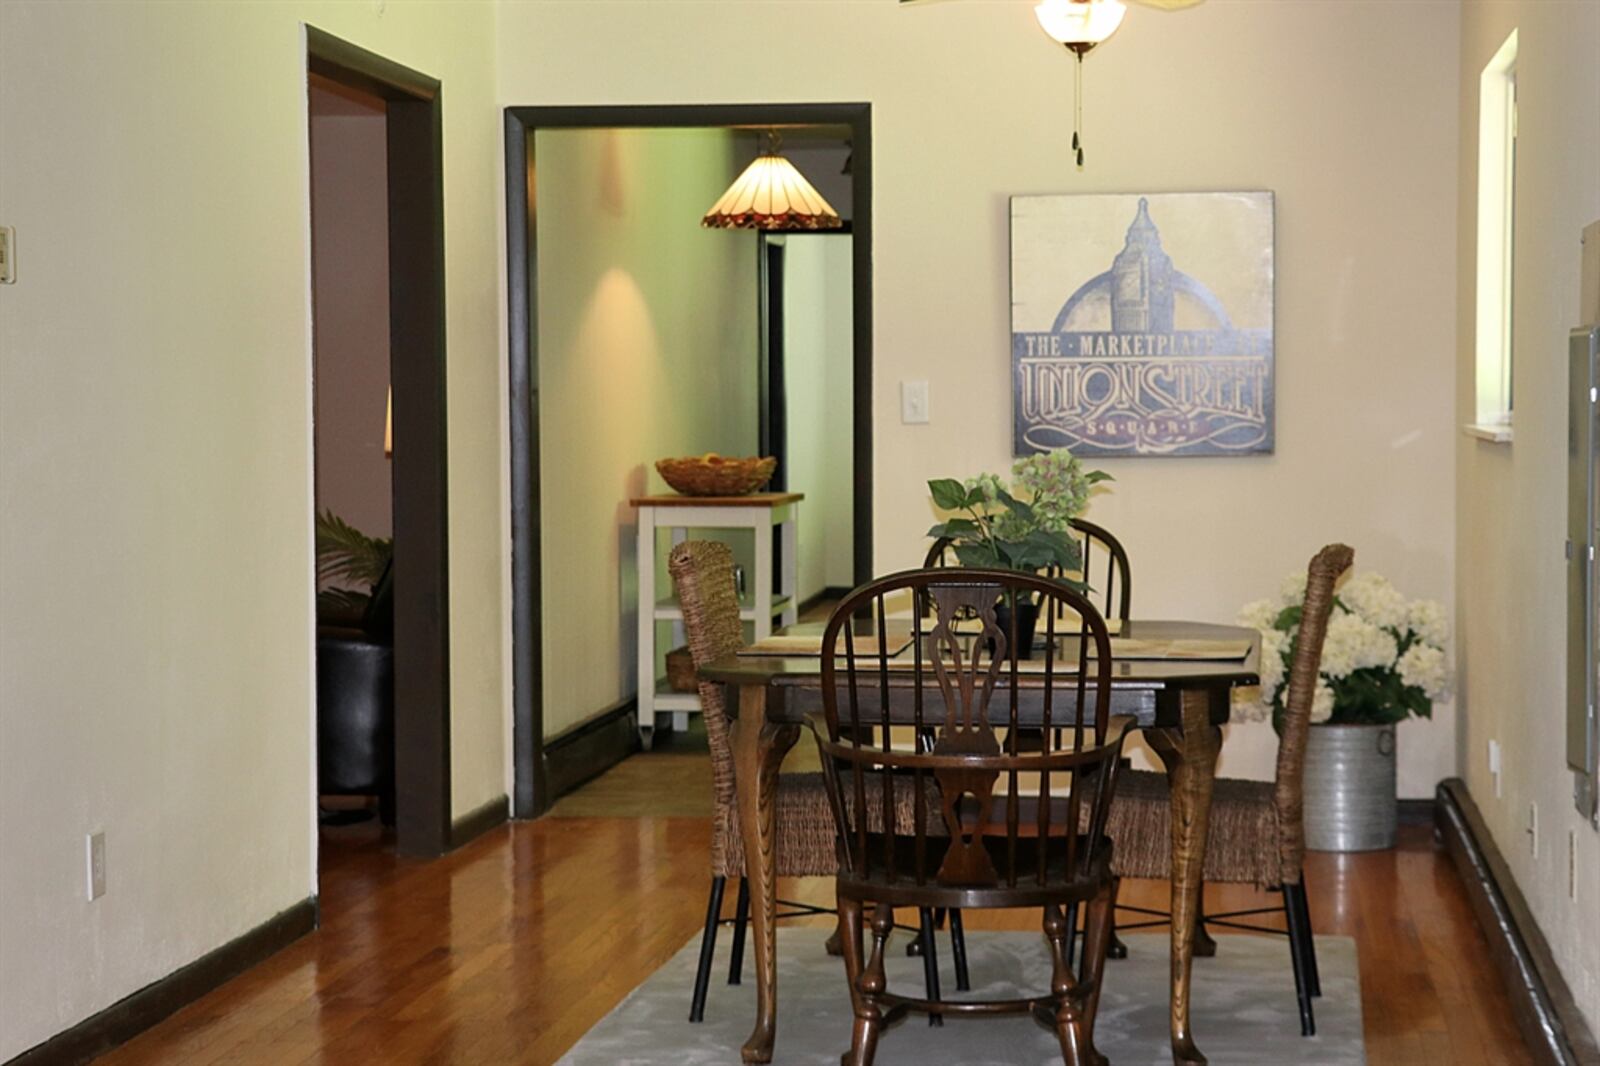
1383, 659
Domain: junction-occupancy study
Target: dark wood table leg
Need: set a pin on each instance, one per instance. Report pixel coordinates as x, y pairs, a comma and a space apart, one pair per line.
758, 749
1190, 756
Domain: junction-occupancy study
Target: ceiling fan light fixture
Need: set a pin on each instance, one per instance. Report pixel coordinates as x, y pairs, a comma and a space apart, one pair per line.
1079, 24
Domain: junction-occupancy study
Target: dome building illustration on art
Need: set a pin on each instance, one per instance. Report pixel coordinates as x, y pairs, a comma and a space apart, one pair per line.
1141, 357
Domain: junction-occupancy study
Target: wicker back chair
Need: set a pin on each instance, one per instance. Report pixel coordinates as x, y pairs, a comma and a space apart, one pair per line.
1257, 829
1105, 567
703, 576
968, 843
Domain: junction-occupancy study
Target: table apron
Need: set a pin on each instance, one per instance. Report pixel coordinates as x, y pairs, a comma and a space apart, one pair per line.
1149, 706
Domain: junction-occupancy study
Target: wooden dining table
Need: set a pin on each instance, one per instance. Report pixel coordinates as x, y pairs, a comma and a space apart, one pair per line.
1180, 704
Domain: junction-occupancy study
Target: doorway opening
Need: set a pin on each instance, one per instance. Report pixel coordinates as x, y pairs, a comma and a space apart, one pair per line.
383, 714
559, 739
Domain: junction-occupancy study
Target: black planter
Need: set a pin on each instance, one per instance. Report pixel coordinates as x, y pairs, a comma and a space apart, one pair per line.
1027, 622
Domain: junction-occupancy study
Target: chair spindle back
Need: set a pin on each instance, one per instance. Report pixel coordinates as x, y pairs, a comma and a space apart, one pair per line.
933, 809
1106, 569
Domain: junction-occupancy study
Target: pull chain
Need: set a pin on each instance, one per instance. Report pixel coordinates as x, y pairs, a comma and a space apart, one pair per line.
1077, 111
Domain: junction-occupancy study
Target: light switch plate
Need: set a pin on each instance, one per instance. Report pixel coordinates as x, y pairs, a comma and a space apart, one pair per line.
8, 255
913, 402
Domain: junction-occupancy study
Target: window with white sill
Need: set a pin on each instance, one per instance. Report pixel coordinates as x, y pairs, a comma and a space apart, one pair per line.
1497, 176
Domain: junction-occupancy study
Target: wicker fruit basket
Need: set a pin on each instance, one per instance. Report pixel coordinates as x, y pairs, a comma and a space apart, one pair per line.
715, 475
680, 671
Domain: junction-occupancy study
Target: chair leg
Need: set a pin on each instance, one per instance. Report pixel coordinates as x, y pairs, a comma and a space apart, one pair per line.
741, 919
708, 945
1299, 951
1096, 948
1075, 1017
930, 962
1115, 948
914, 945
958, 950
1204, 946
866, 982
1311, 939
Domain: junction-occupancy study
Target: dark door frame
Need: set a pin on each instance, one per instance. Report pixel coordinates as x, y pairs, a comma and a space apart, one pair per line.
417, 376
531, 792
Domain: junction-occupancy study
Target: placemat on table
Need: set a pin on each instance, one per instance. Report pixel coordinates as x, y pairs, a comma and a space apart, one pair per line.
1065, 627
1201, 650
810, 643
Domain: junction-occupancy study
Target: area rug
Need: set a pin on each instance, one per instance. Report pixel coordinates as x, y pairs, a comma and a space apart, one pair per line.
1244, 1007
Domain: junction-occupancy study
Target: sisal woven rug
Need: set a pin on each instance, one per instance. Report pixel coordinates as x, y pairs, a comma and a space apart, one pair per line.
1244, 1010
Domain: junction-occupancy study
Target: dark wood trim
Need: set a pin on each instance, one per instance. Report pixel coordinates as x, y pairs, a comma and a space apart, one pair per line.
532, 793
1541, 1002
1416, 811
478, 821
861, 330
589, 750
417, 372
355, 67
831, 592
133, 1014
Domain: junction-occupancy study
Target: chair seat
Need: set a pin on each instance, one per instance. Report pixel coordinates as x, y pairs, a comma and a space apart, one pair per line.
1243, 846
805, 832
806, 835
1060, 887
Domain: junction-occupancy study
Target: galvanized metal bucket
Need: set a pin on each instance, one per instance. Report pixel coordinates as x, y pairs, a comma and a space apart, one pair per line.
1350, 788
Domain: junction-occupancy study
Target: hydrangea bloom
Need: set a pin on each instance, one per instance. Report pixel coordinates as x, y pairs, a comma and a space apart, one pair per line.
1383, 657
1025, 528
1424, 666
1427, 620
1292, 592
1322, 703
1057, 484
1259, 614
1374, 599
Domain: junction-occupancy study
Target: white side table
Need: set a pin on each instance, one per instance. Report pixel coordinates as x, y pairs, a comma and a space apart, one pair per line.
759, 605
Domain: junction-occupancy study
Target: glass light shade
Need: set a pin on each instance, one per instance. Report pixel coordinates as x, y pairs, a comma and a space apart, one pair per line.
1079, 24
388, 424
771, 195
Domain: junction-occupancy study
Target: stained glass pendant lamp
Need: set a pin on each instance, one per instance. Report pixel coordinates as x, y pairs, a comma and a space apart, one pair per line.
771, 195
1079, 25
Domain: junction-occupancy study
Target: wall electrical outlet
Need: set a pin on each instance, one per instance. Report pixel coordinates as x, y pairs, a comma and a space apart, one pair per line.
1494, 765
96, 856
913, 402
1533, 829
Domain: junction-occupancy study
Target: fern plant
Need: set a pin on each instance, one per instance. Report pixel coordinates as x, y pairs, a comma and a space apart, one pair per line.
350, 557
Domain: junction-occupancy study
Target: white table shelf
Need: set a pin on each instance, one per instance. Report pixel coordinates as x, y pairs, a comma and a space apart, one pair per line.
760, 513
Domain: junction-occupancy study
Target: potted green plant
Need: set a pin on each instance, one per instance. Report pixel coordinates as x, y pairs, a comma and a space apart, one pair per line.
1026, 529
347, 561
1383, 661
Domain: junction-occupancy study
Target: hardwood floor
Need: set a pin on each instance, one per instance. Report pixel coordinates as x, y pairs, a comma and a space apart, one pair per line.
508, 950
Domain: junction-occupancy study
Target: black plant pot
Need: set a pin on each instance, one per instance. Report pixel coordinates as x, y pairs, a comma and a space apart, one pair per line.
1027, 622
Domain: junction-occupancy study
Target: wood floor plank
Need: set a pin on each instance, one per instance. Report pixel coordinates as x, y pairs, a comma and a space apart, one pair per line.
510, 949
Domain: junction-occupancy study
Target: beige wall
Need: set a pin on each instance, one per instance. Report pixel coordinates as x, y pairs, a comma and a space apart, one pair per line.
155, 463
1511, 498
647, 348
350, 279
819, 361
1345, 109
